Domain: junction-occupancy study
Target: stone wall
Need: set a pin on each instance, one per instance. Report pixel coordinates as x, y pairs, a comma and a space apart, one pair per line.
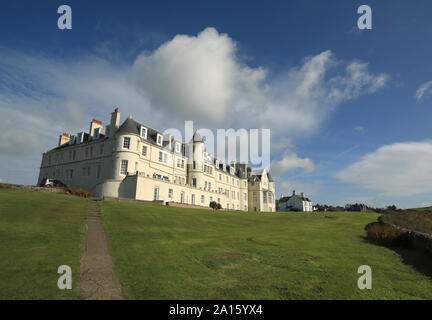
419, 240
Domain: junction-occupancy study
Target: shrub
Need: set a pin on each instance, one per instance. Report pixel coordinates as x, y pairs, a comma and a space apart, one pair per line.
386, 234
78, 192
213, 205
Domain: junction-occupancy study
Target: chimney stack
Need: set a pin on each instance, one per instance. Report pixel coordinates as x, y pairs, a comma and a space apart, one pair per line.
293, 193
94, 124
64, 138
115, 122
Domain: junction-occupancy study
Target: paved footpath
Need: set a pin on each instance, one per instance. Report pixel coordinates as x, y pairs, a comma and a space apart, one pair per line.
97, 278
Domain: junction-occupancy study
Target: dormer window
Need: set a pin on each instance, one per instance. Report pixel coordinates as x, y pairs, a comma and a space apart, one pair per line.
217, 164
224, 167
143, 132
177, 147
232, 170
159, 139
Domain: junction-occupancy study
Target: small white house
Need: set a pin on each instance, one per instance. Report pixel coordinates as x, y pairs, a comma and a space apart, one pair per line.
296, 202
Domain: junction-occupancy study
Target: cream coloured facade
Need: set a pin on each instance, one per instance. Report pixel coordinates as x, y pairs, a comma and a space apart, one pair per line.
134, 161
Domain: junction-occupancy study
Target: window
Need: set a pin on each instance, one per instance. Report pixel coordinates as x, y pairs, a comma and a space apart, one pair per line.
156, 193
245, 196
71, 173
74, 155
101, 150
165, 156
233, 194
124, 167
126, 142
194, 182
205, 185
178, 163
211, 199
170, 193
49, 159
159, 139
98, 173
265, 197
182, 165
232, 181
245, 184
209, 185
193, 199
138, 145
224, 167
227, 180
83, 171
91, 152
202, 199
220, 177
86, 153
160, 156
194, 165
238, 195
144, 132
254, 197
177, 147
144, 151
182, 197
70, 155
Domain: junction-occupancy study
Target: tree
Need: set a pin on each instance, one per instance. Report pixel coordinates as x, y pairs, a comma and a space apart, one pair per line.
213, 205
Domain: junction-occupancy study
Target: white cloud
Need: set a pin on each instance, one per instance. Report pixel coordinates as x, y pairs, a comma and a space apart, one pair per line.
359, 129
290, 161
399, 169
200, 78
425, 88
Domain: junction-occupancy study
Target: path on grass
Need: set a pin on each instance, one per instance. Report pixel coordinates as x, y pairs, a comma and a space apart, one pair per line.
97, 278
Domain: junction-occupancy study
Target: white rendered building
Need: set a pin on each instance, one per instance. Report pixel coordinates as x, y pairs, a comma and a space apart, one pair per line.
134, 161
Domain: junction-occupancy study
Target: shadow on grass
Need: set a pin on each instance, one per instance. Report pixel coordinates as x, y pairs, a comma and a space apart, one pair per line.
419, 259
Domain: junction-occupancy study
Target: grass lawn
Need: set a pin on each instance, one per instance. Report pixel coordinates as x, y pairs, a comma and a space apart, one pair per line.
172, 253
38, 233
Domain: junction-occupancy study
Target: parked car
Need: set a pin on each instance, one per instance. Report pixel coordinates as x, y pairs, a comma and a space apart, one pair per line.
52, 183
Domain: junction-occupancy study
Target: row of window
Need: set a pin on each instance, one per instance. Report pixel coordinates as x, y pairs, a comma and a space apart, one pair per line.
159, 140
86, 172
72, 154
266, 195
193, 198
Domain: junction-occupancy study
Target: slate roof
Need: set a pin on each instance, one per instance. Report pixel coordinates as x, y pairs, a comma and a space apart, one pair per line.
134, 127
285, 199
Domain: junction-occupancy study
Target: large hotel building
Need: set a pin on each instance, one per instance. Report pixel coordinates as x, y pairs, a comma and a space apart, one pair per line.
134, 161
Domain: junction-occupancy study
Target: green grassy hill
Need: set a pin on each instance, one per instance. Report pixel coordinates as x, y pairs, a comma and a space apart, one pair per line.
38, 233
173, 253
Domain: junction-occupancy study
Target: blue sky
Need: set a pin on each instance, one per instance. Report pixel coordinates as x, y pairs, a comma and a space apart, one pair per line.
346, 123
